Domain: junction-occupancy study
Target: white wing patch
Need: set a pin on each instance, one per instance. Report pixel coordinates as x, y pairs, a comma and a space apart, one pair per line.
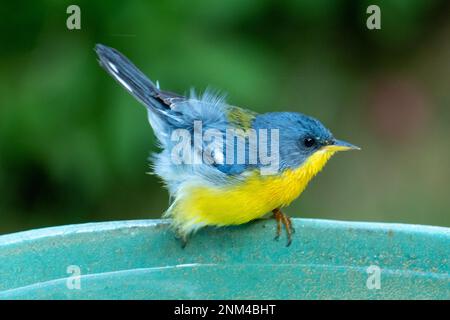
115, 73
113, 67
219, 156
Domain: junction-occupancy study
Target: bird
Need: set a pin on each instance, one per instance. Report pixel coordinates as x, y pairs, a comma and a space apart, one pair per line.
204, 189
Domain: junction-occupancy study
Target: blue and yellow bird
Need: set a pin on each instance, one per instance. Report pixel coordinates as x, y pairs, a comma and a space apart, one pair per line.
219, 192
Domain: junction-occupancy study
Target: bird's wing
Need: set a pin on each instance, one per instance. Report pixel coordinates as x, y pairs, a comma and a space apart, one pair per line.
169, 111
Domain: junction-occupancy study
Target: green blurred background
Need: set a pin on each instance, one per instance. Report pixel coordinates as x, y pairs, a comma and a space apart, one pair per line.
74, 145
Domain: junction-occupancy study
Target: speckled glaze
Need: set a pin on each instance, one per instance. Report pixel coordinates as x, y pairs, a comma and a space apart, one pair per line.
143, 260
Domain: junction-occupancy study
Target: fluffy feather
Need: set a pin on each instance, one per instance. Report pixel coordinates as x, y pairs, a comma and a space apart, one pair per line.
223, 193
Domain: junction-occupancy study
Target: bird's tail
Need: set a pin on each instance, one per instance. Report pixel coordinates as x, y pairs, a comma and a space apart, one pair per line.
127, 75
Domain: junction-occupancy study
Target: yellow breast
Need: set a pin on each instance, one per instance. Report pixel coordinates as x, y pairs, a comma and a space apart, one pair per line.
257, 195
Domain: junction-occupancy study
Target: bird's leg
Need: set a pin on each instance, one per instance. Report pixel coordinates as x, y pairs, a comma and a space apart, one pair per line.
290, 224
280, 217
277, 216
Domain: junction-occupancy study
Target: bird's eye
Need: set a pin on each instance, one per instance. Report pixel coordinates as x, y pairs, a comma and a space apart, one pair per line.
309, 142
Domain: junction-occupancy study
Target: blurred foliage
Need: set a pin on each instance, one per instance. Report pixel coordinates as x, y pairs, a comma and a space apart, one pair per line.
74, 145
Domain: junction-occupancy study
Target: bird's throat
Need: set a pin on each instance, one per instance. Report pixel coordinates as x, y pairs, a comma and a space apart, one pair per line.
294, 181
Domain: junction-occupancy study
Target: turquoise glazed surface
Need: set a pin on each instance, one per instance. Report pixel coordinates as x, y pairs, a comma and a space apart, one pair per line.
143, 260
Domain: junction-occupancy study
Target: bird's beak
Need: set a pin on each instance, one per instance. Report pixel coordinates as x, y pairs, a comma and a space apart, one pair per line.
339, 145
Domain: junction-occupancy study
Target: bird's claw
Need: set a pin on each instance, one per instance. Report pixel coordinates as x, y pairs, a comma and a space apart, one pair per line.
182, 239
289, 242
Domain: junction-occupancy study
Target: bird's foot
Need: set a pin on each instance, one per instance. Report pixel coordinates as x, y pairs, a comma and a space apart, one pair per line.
183, 240
282, 218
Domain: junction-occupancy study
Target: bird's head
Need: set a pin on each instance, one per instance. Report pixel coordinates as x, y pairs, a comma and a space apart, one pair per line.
302, 138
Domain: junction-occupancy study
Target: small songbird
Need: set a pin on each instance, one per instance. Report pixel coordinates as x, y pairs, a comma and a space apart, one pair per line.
212, 180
